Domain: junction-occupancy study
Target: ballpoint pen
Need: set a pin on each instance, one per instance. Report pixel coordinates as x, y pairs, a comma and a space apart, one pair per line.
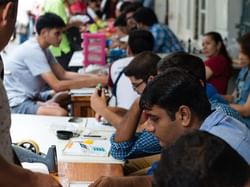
92, 136
96, 137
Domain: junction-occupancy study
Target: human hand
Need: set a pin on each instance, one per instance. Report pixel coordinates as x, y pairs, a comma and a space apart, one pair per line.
98, 116
133, 181
103, 78
42, 180
98, 103
141, 127
31, 178
83, 28
111, 182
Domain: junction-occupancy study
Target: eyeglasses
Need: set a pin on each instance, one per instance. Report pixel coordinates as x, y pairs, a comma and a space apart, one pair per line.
135, 86
129, 17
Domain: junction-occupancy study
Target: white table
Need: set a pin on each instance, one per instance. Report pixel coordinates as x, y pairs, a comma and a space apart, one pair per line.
73, 168
42, 129
76, 59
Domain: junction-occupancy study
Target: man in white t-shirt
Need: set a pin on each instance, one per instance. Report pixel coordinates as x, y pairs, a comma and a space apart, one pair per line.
139, 41
32, 69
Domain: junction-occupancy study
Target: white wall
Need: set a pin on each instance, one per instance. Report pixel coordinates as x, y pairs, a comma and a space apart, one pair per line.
160, 10
234, 13
222, 16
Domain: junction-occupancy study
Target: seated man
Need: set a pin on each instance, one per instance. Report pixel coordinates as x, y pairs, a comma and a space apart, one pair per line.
32, 67
176, 103
11, 175
195, 66
165, 40
138, 42
122, 146
201, 159
126, 143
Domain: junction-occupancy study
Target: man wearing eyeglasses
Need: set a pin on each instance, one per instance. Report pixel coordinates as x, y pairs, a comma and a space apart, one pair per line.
130, 139
12, 175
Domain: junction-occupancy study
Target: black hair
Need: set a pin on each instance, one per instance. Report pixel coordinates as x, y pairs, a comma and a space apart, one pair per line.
140, 40
200, 159
244, 42
215, 36
145, 16
143, 65
120, 21
6, 1
183, 60
124, 6
173, 88
49, 21
132, 7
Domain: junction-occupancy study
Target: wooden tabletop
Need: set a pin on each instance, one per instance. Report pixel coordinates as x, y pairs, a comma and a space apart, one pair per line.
88, 171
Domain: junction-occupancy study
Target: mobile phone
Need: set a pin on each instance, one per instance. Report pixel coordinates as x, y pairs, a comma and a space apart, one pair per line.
99, 87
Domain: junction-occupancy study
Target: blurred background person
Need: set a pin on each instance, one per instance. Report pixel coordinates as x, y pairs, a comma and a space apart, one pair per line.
218, 64
25, 19
240, 98
165, 40
64, 52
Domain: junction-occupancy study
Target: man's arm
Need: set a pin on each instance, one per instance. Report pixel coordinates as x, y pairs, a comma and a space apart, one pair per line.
230, 98
129, 123
126, 143
135, 181
142, 143
13, 176
99, 105
62, 85
61, 74
60, 80
244, 109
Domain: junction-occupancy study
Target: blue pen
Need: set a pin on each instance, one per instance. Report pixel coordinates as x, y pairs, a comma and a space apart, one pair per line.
84, 146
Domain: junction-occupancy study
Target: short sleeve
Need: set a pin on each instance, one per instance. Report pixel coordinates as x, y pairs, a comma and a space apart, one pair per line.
37, 63
217, 64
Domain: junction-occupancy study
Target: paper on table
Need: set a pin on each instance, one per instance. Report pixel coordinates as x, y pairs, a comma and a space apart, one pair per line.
76, 59
83, 91
79, 184
78, 147
93, 124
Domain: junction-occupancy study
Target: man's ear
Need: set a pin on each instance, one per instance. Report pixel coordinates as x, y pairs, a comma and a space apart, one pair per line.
150, 78
8, 13
129, 51
184, 115
43, 32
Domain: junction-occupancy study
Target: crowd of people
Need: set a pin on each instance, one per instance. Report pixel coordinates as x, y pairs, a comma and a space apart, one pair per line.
176, 124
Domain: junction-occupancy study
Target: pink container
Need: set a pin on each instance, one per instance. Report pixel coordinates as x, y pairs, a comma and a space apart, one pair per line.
93, 48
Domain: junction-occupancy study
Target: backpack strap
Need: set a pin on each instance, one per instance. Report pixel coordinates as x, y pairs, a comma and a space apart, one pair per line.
114, 87
2, 72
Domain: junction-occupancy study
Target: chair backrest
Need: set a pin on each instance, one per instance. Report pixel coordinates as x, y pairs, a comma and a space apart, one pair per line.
93, 48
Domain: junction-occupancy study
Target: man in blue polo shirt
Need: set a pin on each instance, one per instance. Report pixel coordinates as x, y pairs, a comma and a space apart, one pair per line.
176, 103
